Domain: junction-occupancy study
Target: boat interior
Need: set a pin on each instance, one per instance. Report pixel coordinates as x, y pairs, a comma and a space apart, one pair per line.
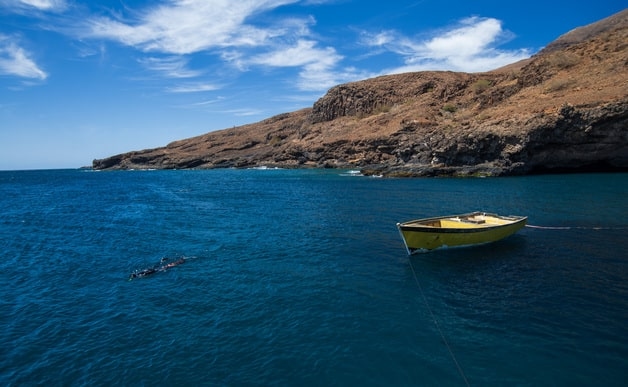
475, 220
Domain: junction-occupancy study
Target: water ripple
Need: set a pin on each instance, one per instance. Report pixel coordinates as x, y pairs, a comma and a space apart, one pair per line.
300, 278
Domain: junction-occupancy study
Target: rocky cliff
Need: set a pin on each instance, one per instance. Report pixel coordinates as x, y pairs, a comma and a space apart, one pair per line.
565, 109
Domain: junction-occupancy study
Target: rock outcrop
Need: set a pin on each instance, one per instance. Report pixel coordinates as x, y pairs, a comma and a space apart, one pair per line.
565, 109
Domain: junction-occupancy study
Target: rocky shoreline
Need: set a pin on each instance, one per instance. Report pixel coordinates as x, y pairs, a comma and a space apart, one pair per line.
563, 110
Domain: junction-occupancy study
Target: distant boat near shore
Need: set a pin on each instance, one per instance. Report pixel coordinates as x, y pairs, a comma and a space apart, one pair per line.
457, 230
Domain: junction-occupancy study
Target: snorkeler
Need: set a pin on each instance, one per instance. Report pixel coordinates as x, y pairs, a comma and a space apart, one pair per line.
143, 273
155, 269
172, 264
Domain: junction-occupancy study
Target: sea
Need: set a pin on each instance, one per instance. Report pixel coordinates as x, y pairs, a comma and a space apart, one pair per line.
300, 278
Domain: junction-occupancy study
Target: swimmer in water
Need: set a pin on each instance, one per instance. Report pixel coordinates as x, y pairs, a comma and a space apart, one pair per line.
143, 273
153, 270
172, 264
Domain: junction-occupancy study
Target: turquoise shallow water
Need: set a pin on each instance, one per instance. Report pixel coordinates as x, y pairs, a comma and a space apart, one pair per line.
300, 278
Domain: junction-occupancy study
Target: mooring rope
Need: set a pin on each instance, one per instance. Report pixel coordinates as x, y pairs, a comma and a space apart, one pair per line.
442, 335
575, 227
548, 228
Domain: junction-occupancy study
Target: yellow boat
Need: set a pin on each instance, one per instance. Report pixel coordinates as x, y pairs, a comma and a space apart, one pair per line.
458, 230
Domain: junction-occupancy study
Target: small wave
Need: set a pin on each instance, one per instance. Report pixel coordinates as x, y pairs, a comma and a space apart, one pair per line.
353, 172
265, 168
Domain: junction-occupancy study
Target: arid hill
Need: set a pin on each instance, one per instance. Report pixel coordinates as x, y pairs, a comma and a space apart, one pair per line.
564, 109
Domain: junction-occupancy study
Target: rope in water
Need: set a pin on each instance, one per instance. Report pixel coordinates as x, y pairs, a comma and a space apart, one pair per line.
442, 335
575, 228
427, 305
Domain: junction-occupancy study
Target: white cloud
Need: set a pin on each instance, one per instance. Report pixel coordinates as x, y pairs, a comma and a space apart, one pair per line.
16, 61
319, 65
193, 88
378, 39
189, 26
45, 4
470, 39
470, 46
244, 112
304, 53
231, 32
313, 78
42, 5
235, 58
171, 66
209, 102
224, 28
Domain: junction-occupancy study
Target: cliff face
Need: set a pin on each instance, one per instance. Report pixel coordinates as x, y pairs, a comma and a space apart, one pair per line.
564, 109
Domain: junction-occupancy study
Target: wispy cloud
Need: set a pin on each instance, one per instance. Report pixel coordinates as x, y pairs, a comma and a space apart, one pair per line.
303, 53
189, 26
42, 5
225, 29
317, 64
469, 46
170, 66
320, 67
209, 102
244, 112
246, 35
193, 88
16, 61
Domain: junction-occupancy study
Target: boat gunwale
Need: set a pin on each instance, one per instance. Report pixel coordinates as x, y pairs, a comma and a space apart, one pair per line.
407, 226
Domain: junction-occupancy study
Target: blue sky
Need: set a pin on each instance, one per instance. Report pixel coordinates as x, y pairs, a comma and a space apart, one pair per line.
89, 79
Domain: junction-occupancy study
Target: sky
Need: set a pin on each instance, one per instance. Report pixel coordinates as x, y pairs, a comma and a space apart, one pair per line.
82, 80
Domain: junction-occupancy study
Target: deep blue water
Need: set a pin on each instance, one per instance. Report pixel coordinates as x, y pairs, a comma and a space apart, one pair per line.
300, 278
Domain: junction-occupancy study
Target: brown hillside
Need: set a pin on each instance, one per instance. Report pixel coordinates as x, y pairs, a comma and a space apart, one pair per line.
566, 108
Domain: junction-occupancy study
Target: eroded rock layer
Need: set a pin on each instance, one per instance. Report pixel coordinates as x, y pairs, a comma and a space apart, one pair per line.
565, 109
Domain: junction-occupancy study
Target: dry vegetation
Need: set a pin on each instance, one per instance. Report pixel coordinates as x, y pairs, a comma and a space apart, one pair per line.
442, 119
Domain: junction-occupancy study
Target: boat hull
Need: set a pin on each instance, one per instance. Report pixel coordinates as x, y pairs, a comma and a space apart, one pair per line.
458, 230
